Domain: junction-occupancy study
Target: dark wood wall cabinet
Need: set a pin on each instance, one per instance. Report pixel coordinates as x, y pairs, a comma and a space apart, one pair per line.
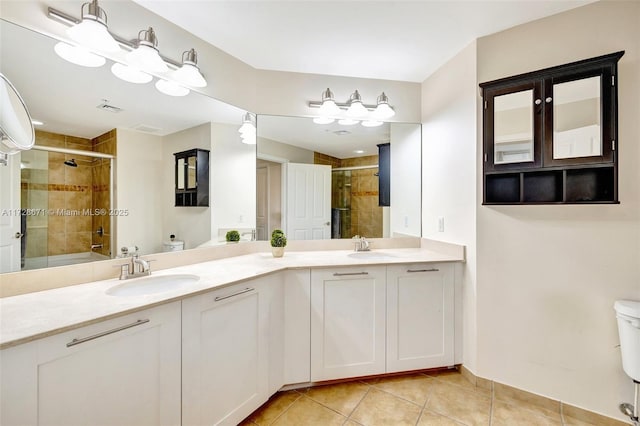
192, 178
550, 136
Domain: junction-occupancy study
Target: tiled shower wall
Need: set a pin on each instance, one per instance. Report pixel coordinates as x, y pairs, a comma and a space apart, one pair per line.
366, 215
68, 193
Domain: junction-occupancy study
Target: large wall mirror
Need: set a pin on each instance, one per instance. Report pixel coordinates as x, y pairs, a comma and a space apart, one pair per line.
102, 176
321, 181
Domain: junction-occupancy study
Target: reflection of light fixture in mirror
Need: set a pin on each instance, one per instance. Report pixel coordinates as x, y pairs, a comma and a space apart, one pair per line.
356, 108
16, 129
37, 123
358, 151
78, 55
372, 123
189, 73
328, 106
323, 120
170, 88
146, 55
130, 74
347, 122
92, 30
248, 129
383, 110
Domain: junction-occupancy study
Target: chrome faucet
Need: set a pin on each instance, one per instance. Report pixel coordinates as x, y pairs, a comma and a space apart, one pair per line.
144, 268
253, 234
361, 243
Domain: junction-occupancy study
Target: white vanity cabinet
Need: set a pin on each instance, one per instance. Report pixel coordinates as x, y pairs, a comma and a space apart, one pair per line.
121, 371
225, 352
420, 316
347, 322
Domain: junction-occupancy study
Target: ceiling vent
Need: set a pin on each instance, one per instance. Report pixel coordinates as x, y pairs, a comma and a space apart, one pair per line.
110, 108
342, 132
146, 129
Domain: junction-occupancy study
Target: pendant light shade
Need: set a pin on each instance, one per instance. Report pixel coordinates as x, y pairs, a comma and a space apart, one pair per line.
372, 123
323, 120
189, 73
92, 29
383, 110
248, 129
356, 108
171, 88
146, 56
328, 107
78, 55
347, 122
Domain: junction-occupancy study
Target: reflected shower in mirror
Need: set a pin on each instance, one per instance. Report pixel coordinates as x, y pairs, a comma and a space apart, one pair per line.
321, 181
91, 116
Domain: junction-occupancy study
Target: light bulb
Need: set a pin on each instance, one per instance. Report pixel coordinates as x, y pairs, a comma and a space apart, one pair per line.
78, 55
130, 74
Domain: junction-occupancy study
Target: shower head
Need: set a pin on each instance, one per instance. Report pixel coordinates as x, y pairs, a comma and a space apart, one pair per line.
71, 163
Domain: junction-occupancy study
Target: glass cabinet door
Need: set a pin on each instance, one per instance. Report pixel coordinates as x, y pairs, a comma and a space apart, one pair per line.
513, 127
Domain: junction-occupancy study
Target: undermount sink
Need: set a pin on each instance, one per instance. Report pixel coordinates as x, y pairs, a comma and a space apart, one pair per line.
373, 255
151, 284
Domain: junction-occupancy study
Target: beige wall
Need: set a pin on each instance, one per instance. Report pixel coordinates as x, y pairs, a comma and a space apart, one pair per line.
449, 100
548, 276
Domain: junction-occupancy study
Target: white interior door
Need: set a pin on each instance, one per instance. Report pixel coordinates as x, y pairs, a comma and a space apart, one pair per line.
10, 215
308, 205
262, 203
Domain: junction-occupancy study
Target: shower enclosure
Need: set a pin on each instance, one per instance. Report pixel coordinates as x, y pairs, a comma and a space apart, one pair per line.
341, 204
66, 195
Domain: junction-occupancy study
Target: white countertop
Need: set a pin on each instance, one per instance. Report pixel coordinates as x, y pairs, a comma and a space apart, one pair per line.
35, 315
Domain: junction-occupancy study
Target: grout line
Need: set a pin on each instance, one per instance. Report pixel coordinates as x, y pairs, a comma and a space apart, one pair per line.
286, 409
492, 393
358, 404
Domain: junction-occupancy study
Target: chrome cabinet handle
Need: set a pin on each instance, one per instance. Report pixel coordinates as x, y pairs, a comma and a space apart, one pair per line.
538, 101
106, 333
342, 274
548, 100
246, 290
423, 270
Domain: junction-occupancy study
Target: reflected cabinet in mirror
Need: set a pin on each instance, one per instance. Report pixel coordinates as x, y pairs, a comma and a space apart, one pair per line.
321, 181
102, 174
550, 136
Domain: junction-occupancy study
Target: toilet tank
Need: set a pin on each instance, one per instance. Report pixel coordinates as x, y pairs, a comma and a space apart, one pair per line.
628, 315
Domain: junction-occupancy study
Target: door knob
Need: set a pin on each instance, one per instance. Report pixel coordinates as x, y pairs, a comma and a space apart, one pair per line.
19, 235
328, 223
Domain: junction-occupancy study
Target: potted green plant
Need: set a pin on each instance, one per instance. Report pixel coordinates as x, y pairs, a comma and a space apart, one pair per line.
278, 243
232, 236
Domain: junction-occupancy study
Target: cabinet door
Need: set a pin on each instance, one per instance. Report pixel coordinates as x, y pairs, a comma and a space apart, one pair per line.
121, 371
224, 355
513, 119
420, 316
347, 322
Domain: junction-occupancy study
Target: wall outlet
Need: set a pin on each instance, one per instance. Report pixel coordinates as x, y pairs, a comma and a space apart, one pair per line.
441, 224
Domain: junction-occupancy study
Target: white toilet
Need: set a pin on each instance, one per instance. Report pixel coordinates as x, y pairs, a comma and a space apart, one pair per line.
628, 314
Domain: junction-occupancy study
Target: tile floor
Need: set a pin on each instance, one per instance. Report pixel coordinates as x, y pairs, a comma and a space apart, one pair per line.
443, 399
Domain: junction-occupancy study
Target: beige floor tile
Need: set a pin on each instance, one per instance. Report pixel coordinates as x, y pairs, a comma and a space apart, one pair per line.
273, 408
454, 377
415, 388
342, 397
381, 408
519, 414
306, 411
469, 407
429, 418
509, 394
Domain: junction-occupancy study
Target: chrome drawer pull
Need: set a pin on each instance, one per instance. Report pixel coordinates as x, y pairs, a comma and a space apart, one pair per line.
106, 333
342, 274
423, 270
246, 290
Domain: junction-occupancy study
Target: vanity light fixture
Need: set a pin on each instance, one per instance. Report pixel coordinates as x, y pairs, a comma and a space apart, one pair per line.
78, 55
383, 110
92, 31
356, 110
189, 73
171, 88
130, 74
146, 56
356, 107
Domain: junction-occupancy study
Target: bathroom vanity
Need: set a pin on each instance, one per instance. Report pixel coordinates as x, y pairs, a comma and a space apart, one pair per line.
213, 350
